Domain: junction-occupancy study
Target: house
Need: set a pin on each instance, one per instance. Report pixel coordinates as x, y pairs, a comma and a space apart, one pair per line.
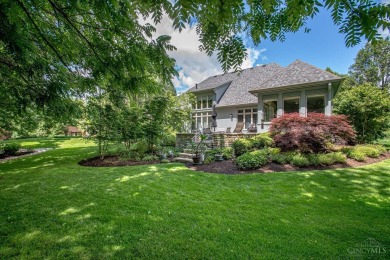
73, 131
252, 97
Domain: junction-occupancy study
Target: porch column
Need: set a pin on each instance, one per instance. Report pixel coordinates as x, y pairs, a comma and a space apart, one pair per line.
330, 97
302, 103
260, 112
280, 105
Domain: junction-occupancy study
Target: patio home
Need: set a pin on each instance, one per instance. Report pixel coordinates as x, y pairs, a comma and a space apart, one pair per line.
253, 97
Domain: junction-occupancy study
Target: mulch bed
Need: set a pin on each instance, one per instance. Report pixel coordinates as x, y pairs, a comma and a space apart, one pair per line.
228, 167
22, 153
113, 161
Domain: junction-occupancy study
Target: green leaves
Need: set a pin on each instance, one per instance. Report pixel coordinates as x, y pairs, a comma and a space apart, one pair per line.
372, 64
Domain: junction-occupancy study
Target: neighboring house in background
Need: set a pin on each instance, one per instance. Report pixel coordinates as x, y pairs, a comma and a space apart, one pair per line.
73, 131
253, 97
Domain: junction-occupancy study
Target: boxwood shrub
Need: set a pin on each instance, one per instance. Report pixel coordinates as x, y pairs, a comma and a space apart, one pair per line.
242, 146
300, 160
262, 140
252, 160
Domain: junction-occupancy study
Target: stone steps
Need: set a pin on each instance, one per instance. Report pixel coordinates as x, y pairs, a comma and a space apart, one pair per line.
185, 155
183, 160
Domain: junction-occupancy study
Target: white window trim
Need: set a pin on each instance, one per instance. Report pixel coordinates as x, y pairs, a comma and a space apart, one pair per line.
253, 115
200, 97
195, 116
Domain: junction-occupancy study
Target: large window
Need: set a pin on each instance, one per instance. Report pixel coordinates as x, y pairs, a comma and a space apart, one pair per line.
291, 105
270, 110
316, 104
201, 120
248, 116
204, 102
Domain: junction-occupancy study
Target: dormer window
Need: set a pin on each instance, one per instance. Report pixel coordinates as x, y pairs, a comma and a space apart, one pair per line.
204, 102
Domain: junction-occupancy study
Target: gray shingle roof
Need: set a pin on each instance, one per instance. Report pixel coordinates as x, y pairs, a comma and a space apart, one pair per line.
298, 73
262, 77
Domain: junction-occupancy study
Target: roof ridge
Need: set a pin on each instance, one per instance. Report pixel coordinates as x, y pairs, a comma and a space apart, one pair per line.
297, 61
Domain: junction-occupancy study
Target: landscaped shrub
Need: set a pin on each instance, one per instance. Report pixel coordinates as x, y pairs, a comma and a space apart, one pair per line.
150, 158
300, 160
313, 159
372, 151
272, 151
262, 140
359, 152
325, 159
252, 160
242, 146
11, 149
227, 153
279, 158
208, 159
338, 157
357, 155
311, 134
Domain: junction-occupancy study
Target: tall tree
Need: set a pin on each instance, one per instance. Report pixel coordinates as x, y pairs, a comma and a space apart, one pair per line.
53, 50
372, 64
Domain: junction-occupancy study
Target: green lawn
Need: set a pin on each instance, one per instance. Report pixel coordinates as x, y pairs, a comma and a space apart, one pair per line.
50, 207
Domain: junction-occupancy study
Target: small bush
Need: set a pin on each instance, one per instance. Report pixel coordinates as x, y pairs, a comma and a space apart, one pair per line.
325, 159
227, 153
252, 160
357, 155
272, 151
11, 148
314, 159
164, 161
140, 148
242, 146
208, 160
279, 158
262, 140
300, 160
370, 150
359, 152
150, 158
338, 157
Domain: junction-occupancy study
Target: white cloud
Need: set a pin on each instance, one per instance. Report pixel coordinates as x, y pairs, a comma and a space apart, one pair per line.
194, 65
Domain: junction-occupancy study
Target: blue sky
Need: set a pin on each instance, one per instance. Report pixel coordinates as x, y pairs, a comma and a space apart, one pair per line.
322, 47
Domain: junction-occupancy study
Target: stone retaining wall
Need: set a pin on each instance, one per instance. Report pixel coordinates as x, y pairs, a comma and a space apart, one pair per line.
218, 139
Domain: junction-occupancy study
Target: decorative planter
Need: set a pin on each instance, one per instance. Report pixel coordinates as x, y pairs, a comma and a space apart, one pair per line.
197, 160
218, 157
